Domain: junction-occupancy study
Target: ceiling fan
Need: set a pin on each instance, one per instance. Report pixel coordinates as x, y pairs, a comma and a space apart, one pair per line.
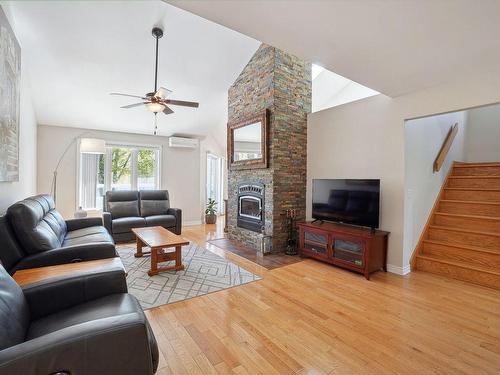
157, 100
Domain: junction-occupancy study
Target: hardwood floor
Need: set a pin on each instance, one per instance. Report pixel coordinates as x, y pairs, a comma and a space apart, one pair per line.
312, 318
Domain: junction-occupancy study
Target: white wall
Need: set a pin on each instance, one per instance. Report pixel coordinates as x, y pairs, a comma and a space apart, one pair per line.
180, 168
365, 139
11, 192
330, 89
423, 140
483, 134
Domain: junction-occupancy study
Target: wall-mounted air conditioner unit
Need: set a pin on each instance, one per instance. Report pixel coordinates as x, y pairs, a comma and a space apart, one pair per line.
182, 142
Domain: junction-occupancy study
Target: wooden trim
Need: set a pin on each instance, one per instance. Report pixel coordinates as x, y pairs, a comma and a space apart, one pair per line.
33, 275
438, 163
423, 235
263, 118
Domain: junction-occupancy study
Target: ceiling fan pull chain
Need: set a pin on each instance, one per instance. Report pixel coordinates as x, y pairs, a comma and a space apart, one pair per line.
156, 124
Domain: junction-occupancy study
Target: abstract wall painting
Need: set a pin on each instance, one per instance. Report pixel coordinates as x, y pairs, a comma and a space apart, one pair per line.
10, 80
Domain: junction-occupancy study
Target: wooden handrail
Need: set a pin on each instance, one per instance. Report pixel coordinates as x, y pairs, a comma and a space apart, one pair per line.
438, 163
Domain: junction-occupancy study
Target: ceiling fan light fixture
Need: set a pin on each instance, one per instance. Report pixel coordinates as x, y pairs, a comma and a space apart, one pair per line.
155, 107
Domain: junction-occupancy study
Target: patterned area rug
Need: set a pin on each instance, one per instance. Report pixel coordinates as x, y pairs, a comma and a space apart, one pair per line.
204, 272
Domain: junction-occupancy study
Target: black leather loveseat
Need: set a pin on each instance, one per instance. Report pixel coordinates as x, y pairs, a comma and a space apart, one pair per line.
82, 324
124, 210
34, 234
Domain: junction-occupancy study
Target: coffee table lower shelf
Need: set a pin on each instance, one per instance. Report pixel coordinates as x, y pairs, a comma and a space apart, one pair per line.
159, 239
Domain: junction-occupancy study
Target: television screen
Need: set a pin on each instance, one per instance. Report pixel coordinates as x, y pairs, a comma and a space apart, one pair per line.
347, 201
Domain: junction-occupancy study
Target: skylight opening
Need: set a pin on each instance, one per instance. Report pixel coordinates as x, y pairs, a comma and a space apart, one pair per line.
330, 89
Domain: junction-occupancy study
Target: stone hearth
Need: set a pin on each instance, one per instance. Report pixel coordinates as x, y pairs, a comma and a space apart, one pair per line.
281, 83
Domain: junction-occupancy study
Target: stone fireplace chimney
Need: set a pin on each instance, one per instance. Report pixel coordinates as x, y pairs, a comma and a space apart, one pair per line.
281, 83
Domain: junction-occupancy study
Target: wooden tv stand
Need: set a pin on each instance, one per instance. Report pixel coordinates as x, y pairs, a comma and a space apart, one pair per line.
357, 249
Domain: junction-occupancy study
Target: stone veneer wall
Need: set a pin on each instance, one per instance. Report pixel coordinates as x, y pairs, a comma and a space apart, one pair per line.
281, 83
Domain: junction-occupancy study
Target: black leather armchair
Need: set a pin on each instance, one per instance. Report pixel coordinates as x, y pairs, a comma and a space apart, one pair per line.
124, 210
34, 234
85, 324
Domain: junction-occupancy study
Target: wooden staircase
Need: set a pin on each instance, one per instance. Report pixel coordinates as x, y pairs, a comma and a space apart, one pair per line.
462, 236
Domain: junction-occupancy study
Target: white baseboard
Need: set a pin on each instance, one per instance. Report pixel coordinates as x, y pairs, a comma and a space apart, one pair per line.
191, 222
399, 270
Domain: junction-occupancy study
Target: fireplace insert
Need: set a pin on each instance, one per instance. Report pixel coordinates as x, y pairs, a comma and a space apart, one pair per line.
251, 206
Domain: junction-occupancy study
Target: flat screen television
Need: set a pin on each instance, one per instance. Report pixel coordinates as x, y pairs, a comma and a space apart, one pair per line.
348, 201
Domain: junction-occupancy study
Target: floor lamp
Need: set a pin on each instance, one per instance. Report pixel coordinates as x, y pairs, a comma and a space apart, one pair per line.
87, 146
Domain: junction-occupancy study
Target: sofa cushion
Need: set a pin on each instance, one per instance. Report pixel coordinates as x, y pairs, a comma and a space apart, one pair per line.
154, 202
37, 225
125, 224
87, 235
98, 229
110, 306
122, 203
14, 312
167, 221
123, 209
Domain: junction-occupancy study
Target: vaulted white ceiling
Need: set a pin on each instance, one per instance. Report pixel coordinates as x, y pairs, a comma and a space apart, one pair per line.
391, 46
77, 52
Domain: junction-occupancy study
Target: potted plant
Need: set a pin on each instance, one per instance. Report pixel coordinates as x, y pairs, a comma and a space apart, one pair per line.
210, 212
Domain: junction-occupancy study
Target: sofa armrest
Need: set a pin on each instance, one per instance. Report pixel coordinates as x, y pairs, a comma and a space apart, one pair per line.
177, 212
68, 254
74, 224
114, 345
107, 220
55, 294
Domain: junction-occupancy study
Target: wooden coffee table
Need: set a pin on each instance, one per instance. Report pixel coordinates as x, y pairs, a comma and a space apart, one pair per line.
159, 239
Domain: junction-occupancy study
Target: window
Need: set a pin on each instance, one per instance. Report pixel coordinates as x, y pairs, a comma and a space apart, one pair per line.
123, 167
215, 180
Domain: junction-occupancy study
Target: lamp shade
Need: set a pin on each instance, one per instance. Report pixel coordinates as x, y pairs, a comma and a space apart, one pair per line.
92, 146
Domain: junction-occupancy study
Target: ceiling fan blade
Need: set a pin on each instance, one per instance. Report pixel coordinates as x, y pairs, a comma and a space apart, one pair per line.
167, 111
133, 105
182, 102
163, 92
132, 96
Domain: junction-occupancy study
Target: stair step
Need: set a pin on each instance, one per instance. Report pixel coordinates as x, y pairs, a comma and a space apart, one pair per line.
484, 182
459, 270
461, 253
485, 164
470, 207
474, 222
492, 169
465, 237
472, 194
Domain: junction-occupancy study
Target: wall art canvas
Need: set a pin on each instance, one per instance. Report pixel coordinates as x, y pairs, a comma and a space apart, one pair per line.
10, 80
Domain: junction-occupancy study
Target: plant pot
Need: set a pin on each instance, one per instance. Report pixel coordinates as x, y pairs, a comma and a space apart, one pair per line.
210, 218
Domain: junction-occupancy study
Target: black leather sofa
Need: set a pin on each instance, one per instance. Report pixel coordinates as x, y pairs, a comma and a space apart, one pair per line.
83, 324
34, 234
124, 210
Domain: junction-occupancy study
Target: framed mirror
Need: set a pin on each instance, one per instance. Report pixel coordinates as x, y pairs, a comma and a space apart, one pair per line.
247, 142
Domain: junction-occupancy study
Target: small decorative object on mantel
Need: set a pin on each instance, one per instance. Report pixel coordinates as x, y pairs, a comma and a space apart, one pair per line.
80, 213
211, 212
291, 243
